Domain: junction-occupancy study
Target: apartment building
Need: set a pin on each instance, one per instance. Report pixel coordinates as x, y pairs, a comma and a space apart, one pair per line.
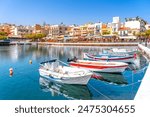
147, 26
135, 24
6, 28
116, 24
20, 31
58, 31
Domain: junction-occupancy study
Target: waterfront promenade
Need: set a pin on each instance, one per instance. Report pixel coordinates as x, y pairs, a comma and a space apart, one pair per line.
144, 89
90, 44
77, 44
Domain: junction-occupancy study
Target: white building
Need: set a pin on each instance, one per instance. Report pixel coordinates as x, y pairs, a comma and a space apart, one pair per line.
94, 29
116, 24
98, 28
147, 26
75, 31
20, 31
135, 23
116, 20
57, 30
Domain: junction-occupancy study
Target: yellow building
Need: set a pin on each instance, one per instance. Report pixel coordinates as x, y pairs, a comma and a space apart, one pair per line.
106, 30
76, 31
84, 30
91, 29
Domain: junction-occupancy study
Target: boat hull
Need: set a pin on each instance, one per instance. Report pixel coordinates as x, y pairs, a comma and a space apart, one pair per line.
98, 67
82, 79
126, 59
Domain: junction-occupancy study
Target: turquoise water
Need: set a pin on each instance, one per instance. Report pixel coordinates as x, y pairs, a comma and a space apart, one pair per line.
26, 84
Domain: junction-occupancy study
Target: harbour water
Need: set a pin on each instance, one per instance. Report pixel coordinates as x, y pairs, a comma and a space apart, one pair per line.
26, 84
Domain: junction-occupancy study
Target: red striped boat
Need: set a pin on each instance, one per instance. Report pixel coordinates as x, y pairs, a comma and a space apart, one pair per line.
98, 66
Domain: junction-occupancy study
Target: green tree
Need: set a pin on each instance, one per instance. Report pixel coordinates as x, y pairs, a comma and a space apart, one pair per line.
34, 37
3, 35
106, 33
145, 35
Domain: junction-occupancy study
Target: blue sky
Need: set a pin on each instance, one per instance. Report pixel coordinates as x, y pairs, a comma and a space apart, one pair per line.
29, 12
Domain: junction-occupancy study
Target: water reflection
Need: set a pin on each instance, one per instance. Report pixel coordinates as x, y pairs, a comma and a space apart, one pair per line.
69, 91
37, 51
113, 78
22, 51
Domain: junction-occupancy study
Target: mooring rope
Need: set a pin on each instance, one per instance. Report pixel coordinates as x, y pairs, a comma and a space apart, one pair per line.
136, 72
99, 92
132, 83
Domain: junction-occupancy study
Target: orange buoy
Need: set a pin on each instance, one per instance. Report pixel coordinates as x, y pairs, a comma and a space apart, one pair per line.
11, 71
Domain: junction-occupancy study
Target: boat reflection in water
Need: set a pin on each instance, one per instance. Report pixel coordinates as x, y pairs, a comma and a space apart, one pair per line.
113, 78
68, 91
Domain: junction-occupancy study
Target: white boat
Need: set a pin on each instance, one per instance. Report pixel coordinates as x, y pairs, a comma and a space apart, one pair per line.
109, 57
98, 66
53, 71
123, 51
119, 51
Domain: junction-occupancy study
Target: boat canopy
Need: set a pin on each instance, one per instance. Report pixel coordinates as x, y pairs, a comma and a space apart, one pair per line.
50, 61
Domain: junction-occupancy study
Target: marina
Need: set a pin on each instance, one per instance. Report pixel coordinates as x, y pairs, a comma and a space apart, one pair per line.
74, 58
26, 82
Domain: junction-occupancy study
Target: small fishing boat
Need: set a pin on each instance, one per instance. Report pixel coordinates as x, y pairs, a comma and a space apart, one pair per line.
123, 51
98, 66
53, 71
109, 57
5, 42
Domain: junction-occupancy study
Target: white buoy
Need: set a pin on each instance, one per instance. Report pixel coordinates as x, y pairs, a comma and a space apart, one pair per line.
10, 71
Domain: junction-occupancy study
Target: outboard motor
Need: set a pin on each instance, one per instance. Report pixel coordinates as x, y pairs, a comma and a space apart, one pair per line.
74, 59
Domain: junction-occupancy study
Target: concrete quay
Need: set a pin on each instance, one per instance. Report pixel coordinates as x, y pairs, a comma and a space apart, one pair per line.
84, 44
89, 44
144, 89
144, 50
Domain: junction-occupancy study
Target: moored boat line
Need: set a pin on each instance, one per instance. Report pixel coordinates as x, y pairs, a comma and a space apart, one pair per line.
71, 74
